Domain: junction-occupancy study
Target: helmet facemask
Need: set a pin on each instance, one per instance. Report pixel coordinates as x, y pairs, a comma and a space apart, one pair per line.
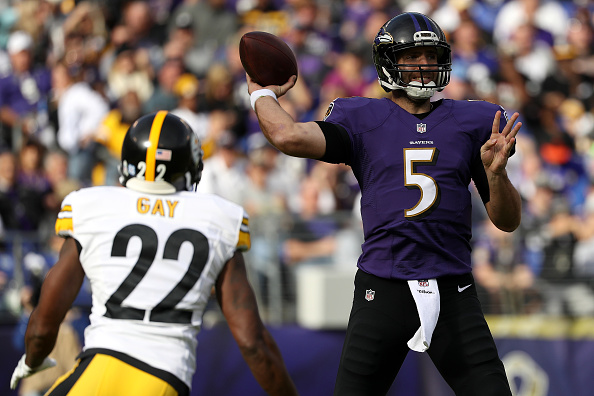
400, 33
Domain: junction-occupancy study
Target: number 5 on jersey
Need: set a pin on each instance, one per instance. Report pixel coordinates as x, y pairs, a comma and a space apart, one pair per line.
412, 179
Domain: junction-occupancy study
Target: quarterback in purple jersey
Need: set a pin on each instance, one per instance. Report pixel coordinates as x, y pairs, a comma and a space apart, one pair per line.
415, 200
414, 160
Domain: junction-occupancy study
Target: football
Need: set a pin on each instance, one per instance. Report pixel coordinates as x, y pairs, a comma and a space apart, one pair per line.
266, 58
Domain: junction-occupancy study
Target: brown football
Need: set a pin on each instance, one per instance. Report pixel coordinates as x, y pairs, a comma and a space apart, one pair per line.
266, 58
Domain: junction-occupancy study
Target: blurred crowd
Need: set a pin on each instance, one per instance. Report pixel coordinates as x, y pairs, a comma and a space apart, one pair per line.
75, 74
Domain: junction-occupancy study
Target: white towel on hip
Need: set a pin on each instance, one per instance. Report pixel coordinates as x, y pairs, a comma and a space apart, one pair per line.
426, 295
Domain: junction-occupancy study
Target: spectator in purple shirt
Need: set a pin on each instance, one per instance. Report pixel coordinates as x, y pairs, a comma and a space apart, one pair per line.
23, 94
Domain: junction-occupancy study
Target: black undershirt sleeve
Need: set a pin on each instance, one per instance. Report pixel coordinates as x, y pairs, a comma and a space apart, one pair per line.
338, 144
479, 176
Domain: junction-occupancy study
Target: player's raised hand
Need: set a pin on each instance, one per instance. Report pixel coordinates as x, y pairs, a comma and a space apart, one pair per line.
495, 151
279, 90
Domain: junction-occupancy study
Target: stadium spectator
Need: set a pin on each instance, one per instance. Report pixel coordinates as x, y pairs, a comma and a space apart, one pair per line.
224, 171
575, 74
360, 43
473, 60
212, 24
265, 200
339, 83
266, 15
49, 19
163, 96
119, 37
128, 72
32, 18
311, 45
235, 67
84, 39
55, 170
445, 13
549, 18
8, 310
583, 254
33, 183
186, 89
147, 35
264, 194
341, 183
505, 284
219, 96
288, 172
218, 89
311, 234
55, 167
110, 136
80, 112
181, 34
24, 95
346, 78
533, 59
556, 273
20, 205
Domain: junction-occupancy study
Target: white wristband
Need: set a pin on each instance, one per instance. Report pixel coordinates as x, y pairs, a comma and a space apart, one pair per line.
258, 94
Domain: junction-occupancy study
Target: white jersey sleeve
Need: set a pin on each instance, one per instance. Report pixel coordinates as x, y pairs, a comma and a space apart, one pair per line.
152, 261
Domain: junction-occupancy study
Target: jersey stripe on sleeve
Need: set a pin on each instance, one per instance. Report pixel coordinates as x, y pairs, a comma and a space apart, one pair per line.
64, 222
244, 242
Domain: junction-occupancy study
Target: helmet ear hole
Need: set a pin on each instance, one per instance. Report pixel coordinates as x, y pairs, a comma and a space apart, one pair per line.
159, 150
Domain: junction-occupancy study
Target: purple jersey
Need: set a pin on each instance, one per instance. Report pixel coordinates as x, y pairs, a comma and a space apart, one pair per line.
414, 176
23, 94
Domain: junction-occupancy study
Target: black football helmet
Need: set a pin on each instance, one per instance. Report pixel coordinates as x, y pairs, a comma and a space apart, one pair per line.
160, 155
404, 31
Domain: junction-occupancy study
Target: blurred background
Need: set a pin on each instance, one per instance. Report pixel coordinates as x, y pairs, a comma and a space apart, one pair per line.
75, 74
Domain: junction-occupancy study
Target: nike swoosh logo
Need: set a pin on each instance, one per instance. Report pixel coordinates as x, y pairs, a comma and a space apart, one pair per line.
461, 289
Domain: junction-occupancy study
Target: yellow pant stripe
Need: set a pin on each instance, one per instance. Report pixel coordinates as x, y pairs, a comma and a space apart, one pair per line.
106, 375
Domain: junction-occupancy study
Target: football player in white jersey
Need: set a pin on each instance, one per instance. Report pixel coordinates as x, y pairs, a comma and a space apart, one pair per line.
152, 252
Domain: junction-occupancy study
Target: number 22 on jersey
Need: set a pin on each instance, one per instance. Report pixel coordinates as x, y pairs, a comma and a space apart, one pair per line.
165, 310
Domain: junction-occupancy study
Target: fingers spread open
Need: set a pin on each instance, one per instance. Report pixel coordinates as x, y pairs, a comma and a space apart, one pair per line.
496, 122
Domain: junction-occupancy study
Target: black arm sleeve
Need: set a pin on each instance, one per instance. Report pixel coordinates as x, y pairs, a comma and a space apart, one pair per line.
479, 176
338, 144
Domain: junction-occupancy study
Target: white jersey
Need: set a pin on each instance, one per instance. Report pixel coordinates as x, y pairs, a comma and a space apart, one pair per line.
152, 261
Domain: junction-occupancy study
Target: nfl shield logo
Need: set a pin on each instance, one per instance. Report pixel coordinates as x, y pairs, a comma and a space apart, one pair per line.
423, 283
421, 128
369, 294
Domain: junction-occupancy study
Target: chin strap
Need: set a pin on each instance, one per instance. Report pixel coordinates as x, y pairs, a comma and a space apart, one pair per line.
418, 92
390, 84
414, 90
